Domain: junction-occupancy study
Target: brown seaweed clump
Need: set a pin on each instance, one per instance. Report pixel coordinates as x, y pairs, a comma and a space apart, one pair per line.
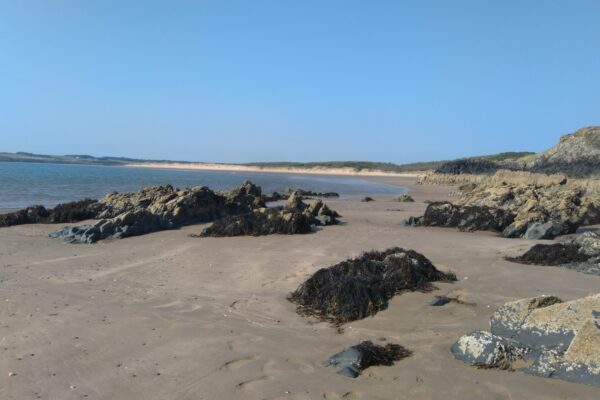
357, 288
551, 254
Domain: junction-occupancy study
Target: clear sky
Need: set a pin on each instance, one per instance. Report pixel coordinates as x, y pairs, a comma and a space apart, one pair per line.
238, 81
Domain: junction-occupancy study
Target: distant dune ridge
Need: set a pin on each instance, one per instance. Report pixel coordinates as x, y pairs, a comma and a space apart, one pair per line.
576, 155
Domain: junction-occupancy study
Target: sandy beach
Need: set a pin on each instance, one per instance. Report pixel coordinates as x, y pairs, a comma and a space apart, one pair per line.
274, 170
168, 316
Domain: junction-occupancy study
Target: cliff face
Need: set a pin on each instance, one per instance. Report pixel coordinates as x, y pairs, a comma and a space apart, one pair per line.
577, 154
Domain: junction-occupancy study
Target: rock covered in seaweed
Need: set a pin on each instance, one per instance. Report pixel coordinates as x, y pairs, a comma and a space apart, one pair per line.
468, 218
581, 253
74, 211
520, 204
360, 287
355, 359
296, 218
557, 339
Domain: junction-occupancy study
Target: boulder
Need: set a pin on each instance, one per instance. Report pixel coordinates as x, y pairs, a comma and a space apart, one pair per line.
561, 339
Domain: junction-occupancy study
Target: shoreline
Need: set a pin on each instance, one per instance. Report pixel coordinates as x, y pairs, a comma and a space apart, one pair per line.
275, 170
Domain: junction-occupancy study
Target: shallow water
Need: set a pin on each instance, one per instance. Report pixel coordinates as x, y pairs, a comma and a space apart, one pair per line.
24, 184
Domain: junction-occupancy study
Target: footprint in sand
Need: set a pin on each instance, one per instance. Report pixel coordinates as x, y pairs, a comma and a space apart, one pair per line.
268, 372
238, 363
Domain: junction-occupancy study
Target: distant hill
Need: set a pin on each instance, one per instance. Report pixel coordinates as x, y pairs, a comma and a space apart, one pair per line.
356, 165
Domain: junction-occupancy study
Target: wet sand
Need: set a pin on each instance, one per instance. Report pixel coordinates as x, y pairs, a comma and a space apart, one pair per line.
167, 316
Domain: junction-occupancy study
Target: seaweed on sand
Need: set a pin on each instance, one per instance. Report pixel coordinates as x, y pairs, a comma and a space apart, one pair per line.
551, 254
355, 359
357, 288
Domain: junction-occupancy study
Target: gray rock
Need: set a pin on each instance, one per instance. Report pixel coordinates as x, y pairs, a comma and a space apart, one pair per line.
486, 350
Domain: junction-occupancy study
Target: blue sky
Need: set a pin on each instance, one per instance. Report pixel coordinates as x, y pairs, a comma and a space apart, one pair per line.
238, 81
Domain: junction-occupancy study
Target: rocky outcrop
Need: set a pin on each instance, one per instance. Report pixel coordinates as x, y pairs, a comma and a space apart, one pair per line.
166, 207
467, 218
404, 198
553, 339
295, 218
514, 204
581, 253
355, 359
577, 154
360, 287
468, 166
310, 193
63, 213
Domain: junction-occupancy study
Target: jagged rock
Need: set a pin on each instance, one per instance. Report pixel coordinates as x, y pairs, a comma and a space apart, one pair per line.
561, 338
518, 205
162, 207
298, 217
361, 287
468, 218
261, 222
356, 359
581, 253
62, 213
404, 198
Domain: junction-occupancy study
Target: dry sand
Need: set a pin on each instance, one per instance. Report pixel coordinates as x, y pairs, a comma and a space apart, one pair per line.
167, 316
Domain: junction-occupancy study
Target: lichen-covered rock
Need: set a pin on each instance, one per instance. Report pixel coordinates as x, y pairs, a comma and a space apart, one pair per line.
483, 349
356, 359
360, 287
530, 206
561, 338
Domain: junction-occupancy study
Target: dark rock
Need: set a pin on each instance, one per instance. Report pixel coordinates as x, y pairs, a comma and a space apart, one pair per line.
360, 287
551, 254
261, 222
367, 199
468, 166
581, 253
356, 359
62, 213
548, 230
469, 218
438, 301
309, 193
